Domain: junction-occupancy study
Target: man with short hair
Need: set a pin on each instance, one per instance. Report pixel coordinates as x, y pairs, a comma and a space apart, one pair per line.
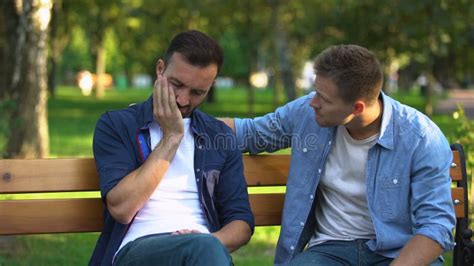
369, 179
172, 194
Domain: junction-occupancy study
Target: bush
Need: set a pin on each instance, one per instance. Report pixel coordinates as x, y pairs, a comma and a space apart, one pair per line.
464, 134
6, 108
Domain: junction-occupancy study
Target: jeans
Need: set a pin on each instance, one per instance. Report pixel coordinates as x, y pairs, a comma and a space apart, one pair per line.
342, 253
167, 249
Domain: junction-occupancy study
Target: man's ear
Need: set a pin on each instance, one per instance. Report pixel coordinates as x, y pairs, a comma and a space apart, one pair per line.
160, 67
359, 107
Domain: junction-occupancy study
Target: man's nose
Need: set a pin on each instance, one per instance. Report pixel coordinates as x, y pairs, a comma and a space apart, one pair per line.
182, 98
314, 102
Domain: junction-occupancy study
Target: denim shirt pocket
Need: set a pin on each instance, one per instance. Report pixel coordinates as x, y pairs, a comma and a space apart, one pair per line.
393, 198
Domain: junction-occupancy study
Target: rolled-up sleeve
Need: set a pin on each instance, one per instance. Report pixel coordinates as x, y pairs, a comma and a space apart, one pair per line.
231, 194
112, 156
431, 200
270, 132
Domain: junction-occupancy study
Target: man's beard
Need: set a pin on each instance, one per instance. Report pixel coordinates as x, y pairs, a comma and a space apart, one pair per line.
185, 110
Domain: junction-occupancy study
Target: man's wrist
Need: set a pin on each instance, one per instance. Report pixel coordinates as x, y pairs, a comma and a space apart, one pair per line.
172, 140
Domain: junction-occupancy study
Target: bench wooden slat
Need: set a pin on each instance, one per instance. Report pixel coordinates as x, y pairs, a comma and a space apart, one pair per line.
85, 215
18, 217
456, 172
50, 216
69, 175
48, 175
457, 193
266, 170
267, 208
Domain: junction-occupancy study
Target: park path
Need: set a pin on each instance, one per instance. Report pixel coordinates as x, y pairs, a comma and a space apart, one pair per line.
457, 96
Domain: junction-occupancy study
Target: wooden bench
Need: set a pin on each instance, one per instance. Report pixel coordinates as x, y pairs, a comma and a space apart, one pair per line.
84, 214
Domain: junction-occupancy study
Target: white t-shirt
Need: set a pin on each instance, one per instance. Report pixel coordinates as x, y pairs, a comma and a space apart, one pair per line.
341, 207
174, 204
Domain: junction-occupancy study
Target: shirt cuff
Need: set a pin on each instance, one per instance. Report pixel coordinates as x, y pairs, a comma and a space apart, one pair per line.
438, 233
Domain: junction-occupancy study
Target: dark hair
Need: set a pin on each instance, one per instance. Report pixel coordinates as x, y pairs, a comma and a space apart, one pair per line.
197, 48
354, 70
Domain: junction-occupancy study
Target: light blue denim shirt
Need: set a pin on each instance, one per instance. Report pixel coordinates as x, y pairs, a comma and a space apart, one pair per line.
408, 182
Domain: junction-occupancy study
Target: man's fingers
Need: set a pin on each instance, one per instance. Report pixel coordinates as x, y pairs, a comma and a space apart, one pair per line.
157, 107
165, 108
172, 102
186, 231
165, 96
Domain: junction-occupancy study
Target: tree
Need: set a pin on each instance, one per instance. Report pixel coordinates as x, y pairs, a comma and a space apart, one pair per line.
105, 15
26, 32
282, 51
59, 36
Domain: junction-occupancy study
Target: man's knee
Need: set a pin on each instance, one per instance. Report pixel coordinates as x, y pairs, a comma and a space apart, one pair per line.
207, 242
209, 250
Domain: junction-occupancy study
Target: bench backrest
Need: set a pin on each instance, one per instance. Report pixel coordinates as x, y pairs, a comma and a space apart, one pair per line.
81, 213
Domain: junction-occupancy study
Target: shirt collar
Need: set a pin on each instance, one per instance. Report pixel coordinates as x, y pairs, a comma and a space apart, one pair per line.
387, 127
147, 114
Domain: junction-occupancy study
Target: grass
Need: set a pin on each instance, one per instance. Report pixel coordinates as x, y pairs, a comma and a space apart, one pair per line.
72, 119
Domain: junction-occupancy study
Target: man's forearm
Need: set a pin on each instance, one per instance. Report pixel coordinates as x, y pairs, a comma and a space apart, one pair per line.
131, 193
234, 235
420, 250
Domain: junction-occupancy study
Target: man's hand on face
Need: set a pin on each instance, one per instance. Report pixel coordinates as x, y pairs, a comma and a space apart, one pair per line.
165, 110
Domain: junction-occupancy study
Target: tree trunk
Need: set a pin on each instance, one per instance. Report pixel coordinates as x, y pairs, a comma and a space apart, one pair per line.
429, 98
10, 39
59, 36
53, 58
250, 46
100, 69
53, 62
28, 85
282, 51
3, 45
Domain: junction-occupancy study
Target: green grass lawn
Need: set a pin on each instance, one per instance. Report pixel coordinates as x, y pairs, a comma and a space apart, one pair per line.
72, 119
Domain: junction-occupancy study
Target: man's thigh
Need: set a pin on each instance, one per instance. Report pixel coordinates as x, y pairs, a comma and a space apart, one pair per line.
340, 253
189, 249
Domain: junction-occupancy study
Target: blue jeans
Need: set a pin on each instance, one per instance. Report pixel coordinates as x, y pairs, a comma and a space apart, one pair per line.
167, 249
342, 253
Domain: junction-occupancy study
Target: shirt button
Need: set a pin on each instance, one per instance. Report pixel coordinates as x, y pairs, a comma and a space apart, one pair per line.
395, 181
330, 142
301, 223
197, 179
198, 170
292, 247
319, 170
311, 197
200, 147
305, 150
